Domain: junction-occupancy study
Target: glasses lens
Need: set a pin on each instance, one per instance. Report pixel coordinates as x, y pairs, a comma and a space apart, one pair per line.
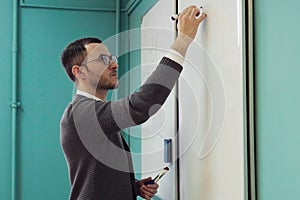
114, 59
105, 59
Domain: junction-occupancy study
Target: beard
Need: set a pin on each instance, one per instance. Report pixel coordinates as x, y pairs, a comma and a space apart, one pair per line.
107, 84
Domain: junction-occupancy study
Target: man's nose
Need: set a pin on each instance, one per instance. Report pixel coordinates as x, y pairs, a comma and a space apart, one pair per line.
113, 65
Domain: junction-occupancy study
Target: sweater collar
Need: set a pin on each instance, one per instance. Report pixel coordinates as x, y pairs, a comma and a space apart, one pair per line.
80, 92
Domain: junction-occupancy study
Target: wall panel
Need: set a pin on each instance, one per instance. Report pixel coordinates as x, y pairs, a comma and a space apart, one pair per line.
277, 98
43, 90
5, 98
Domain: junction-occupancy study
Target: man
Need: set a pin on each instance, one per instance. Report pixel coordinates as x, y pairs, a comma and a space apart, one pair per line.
99, 160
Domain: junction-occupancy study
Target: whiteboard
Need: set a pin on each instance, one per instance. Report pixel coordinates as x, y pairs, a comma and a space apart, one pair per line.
211, 104
211, 99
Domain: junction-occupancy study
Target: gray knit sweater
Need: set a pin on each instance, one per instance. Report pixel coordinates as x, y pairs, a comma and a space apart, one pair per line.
98, 158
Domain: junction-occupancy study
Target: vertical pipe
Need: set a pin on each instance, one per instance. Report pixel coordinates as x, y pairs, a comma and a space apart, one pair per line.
118, 12
14, 103
117, 42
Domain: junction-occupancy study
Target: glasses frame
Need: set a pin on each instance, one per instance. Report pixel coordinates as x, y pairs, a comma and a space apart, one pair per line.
106, 59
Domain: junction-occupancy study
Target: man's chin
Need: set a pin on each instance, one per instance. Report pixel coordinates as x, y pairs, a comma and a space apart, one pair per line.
108, 86
112, 87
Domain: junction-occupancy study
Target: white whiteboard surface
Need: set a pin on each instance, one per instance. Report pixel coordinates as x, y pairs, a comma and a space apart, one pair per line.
212, 106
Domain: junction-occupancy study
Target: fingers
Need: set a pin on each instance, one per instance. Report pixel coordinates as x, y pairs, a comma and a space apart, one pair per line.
195, 12
202, 17
153, 186
148, 192
188, 12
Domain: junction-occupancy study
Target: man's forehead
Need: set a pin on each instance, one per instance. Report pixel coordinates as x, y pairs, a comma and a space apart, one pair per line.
94, 49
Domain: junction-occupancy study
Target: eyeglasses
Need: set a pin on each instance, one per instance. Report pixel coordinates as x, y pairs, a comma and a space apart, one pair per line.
106, 59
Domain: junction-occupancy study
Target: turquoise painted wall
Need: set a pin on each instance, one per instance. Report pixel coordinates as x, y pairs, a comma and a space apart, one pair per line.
43, 90
5, 97
45, 27
277, 98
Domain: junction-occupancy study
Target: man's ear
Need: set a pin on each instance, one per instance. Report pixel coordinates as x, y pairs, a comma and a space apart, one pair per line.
77, 72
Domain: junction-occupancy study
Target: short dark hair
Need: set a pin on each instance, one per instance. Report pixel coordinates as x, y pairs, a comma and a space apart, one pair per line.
75, 53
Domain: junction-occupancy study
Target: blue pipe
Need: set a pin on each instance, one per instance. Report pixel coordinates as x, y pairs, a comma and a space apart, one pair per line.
118, 13
14, 103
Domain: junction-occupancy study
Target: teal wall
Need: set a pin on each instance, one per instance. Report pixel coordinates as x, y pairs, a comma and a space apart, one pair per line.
277, 97
45, 28
5, 97
45, 91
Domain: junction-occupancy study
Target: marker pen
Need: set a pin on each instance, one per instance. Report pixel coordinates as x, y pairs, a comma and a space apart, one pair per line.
175, 17
158, 177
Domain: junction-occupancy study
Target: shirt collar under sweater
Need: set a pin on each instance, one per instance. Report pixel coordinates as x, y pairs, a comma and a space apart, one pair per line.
88, 95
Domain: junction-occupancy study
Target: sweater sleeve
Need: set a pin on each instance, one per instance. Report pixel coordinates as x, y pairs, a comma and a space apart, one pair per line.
140, 105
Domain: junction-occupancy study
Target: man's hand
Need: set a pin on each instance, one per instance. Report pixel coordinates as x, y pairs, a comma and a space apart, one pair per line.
188, 22
147, 192
187, 26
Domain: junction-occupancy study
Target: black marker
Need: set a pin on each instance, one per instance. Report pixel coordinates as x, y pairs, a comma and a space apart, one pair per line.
158, 177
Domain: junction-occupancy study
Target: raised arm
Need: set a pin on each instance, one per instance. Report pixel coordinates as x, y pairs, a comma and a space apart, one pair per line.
139, 106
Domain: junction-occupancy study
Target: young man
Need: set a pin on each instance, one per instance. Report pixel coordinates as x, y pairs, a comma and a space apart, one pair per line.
99, 160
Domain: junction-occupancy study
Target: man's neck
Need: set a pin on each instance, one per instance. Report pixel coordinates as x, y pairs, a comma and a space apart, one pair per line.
99, 93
